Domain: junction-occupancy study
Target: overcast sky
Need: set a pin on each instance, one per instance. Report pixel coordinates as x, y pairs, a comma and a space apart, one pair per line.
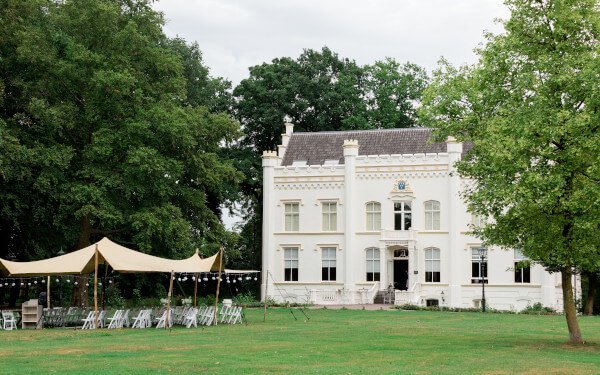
236, 34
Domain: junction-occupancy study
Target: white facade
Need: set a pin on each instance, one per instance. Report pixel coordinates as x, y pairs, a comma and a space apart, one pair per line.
324, 226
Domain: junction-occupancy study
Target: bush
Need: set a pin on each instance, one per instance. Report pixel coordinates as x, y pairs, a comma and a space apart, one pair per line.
113, 296
537, 309
245, 299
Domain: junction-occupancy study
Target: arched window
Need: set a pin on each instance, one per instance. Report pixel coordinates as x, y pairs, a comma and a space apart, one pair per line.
373, 267
373, 216
432, 215
432, 265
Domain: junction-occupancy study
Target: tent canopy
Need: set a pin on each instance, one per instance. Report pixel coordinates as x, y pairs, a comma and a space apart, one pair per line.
120, 258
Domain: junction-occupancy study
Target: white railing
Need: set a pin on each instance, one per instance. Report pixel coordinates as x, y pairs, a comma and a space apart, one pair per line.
371, 293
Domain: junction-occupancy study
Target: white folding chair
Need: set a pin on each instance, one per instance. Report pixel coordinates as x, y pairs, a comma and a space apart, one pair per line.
125, 319
191, 318
225, 313
8, 321
163, 320
140, 321
117, 320
102, 319
208, 317
235, 316
90, 321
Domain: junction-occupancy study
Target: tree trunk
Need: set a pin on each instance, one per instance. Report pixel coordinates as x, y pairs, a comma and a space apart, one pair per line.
79, 297
589, 301
569, 306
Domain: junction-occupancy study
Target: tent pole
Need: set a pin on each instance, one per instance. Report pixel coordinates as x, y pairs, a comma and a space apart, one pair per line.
195, 289
218, 284
266, 286
48, 292
96, 286
169, 300
195, 284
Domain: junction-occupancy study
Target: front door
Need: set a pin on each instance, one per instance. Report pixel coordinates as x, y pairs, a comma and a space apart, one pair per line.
401, 274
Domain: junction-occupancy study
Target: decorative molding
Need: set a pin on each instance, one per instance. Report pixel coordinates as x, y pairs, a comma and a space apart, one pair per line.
402, 168
336, 245
327, 200
409, 175
503, 285
304, 283
304, 186
282, 245
432, 232
297, 200
306, 179
311, 234
369, 233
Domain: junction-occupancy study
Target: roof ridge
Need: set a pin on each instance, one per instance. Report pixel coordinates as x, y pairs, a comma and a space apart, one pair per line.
364, 130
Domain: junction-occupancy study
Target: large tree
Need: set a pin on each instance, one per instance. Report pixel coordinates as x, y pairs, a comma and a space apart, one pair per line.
98, 134
530, 108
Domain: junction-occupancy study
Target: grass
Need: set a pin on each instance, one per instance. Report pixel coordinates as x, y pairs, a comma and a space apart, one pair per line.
331, 342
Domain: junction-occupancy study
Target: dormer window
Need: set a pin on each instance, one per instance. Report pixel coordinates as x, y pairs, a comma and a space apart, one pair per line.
332, 162
298, 163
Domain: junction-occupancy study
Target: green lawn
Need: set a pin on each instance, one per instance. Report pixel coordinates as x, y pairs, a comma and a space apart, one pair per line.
332, 342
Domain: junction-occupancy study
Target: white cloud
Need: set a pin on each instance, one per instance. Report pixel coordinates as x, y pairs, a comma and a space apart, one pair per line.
234, 35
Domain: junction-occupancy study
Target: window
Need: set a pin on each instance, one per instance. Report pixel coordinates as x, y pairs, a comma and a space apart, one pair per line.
332, 162
298, 163
290, 263
373, 264
522, 268
432, 302
402, 216
328, 266
329, 216
432, 265
292, 217
478, 265
373, 216
432, 215
478, 221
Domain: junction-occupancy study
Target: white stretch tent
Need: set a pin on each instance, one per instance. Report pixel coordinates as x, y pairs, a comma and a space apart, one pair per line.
120, 258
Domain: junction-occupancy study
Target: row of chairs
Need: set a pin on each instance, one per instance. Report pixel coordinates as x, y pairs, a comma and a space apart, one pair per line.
144, 319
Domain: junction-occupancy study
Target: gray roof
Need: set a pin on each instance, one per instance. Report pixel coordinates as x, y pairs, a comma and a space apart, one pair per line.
315, 148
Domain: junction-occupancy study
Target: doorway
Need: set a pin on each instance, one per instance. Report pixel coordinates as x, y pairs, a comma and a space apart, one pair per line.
401, 274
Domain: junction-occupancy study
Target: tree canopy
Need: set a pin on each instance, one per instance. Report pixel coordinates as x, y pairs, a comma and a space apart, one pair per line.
99, 135
530, 109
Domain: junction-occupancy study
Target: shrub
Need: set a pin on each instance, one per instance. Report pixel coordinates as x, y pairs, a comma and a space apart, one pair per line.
537, 309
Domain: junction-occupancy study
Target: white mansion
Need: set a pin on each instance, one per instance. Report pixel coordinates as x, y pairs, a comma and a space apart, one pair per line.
348, 214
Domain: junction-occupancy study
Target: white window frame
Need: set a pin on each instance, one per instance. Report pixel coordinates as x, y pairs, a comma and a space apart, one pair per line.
402, 212
477, 259
329, 216
373, 212
373, 263
293, 225
291, 261
478, 221
432, 262
431, 221
519, 257
329, 261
